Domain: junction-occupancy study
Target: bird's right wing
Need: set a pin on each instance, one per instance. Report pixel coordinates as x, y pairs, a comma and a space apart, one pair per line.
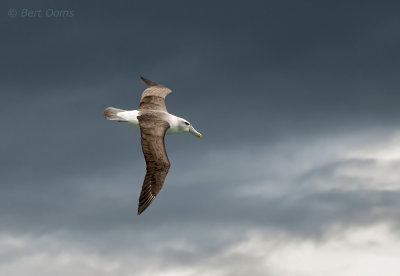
153, 97
152, 131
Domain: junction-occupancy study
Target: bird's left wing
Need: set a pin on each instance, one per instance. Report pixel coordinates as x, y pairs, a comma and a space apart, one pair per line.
152, 131
153, 98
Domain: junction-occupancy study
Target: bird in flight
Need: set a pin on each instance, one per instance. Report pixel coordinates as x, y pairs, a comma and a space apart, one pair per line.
154, 122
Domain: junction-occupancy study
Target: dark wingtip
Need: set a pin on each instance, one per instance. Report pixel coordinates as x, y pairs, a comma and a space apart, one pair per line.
142, 208
149, 82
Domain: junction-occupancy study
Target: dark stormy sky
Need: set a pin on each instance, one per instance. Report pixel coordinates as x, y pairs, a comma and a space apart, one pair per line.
297, 173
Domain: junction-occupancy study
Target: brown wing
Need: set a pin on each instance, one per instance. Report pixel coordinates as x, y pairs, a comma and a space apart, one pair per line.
152, 131
153, 97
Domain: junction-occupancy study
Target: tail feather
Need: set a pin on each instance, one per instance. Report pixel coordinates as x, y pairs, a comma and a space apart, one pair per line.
111, 114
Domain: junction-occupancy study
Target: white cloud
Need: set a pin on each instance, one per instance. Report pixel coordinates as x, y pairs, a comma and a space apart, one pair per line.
350, 162
365, 251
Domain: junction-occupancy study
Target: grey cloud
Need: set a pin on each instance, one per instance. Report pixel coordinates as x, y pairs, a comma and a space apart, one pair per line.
106, 201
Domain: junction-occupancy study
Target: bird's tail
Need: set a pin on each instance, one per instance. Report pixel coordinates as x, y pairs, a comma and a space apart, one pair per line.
111, 114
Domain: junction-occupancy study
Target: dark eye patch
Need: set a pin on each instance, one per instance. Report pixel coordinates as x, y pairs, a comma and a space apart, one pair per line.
187, 123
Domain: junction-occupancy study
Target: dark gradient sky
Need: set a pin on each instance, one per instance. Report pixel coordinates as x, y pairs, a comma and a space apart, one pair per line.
298, 102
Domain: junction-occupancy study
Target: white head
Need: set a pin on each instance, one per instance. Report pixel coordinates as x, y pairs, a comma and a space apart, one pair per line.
185, 126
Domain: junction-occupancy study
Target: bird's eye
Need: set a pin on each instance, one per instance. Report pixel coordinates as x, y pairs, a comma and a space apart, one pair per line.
187, 123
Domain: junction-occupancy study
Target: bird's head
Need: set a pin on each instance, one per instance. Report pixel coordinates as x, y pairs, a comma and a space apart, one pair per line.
187, 127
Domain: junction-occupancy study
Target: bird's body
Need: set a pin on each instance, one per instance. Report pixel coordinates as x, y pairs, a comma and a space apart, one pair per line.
131, 118
154, 122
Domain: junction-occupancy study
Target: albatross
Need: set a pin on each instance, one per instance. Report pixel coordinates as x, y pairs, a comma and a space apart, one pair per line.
154, 122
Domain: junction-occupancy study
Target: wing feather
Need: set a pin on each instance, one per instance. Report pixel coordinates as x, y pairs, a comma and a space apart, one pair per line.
152, 130
153, 98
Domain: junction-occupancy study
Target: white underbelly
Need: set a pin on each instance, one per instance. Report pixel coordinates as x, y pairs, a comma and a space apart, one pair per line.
130, 117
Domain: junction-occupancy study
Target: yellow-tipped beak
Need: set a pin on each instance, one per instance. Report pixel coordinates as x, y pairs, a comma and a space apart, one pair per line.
195, 132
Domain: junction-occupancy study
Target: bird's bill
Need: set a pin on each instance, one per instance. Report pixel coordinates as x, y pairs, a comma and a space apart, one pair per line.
195, 132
